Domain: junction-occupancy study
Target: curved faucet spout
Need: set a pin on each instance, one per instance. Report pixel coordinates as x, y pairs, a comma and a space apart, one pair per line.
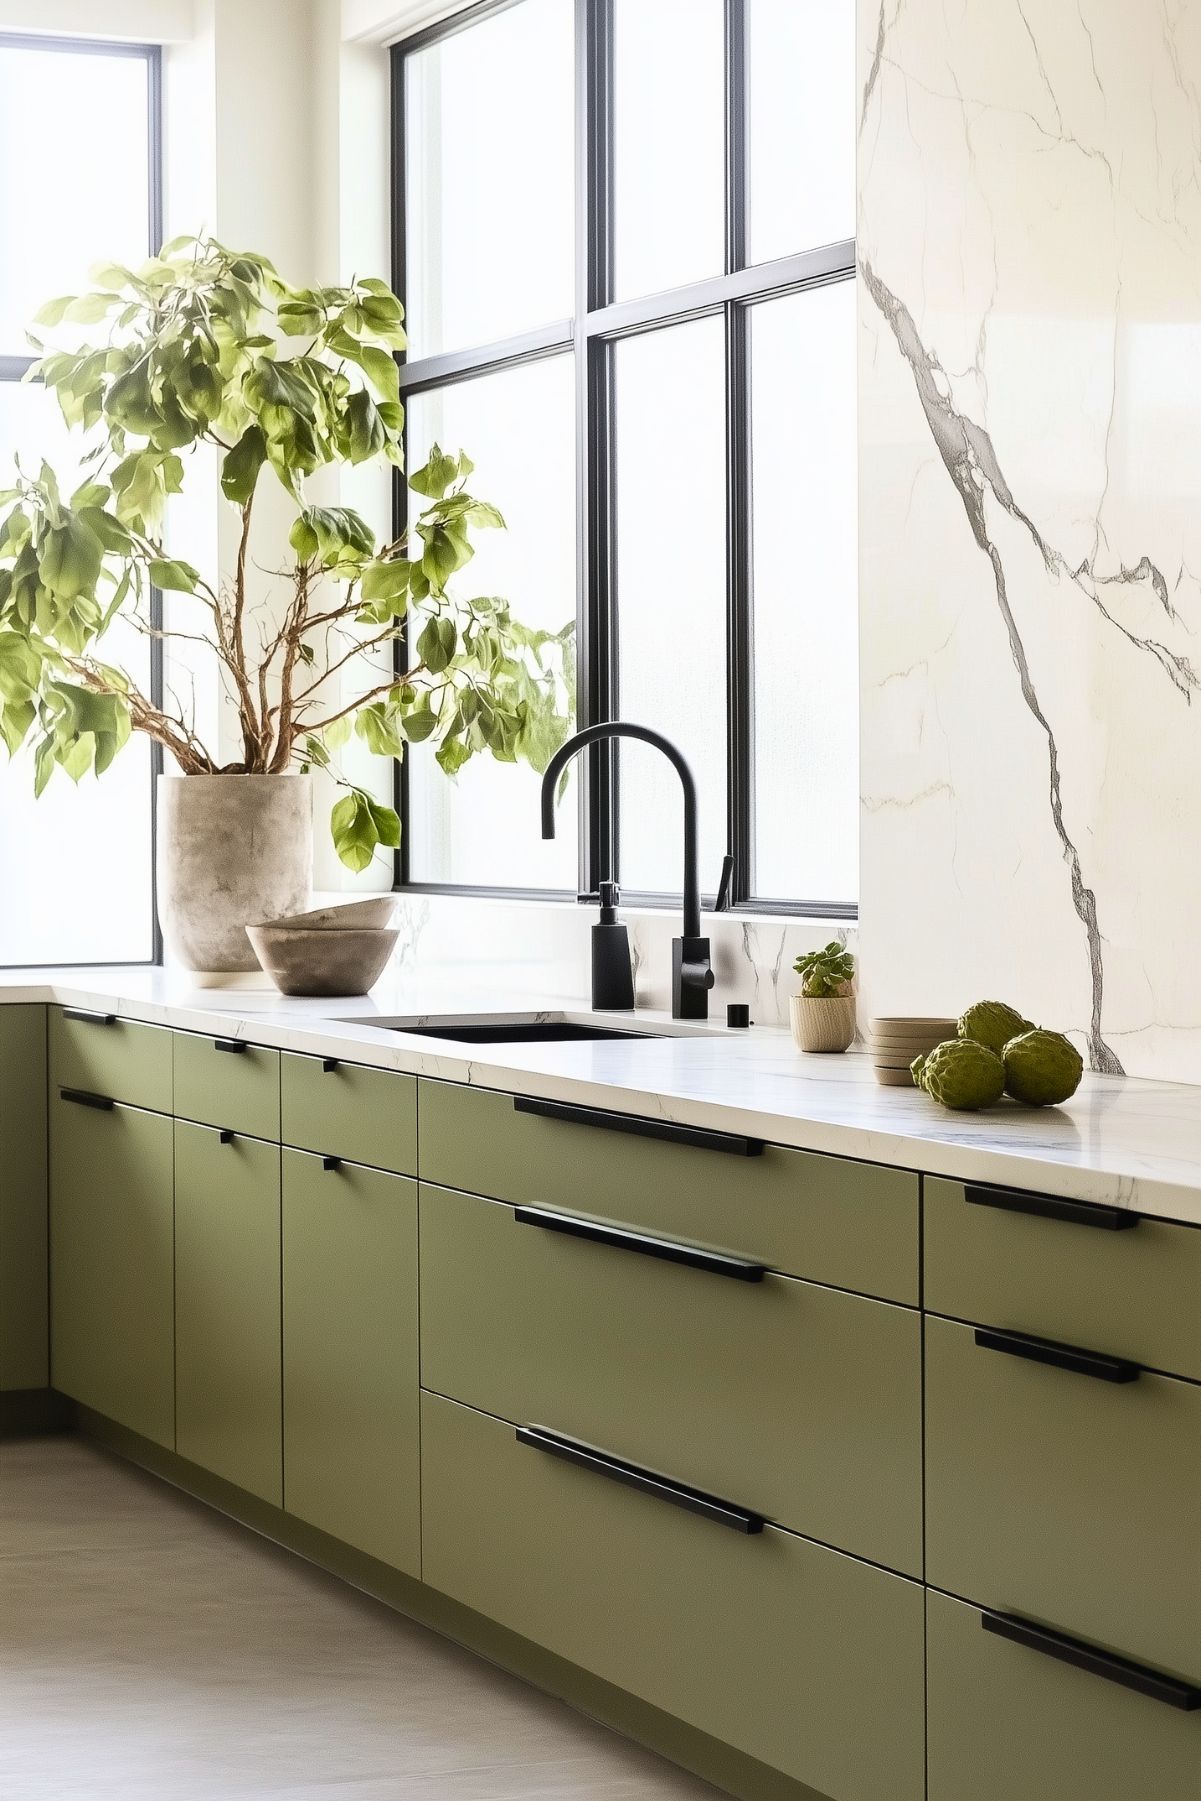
620, 728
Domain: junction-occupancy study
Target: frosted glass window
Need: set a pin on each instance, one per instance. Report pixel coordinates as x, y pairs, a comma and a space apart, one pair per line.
483, 828
489, 190
670, 505
804, 534
76, 865
668, 144
801, 78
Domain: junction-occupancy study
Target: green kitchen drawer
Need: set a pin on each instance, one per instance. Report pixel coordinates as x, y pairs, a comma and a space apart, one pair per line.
1066, 1496
805, 1401
351, 1405
24, 1281
345, 1110
851, 1225
1008, 1723
795, 1654
228, 1083
118, 1058
229, 1385
111, 1250
1134, 1291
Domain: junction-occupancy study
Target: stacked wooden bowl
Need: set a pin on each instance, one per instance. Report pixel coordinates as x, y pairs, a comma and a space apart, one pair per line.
897, 1039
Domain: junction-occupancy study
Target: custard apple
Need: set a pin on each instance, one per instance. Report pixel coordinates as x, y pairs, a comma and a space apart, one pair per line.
992, 1023
1042, 1068
961, 1073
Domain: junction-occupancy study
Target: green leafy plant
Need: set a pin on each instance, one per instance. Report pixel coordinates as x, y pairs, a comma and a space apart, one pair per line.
826, 972
205, 347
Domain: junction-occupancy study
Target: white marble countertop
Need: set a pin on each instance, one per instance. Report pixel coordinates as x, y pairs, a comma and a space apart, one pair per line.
1126, 1142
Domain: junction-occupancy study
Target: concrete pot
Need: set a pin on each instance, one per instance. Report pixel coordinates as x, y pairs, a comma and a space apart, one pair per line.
232, 850
826, 1024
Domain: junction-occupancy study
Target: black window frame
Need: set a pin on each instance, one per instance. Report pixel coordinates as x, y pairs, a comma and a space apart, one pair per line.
15, 368
599, 324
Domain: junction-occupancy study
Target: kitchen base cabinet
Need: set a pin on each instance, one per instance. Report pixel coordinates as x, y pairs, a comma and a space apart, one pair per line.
111, 1250
799, 1656
351, 1427
24, 1298
1008, 1723
227, 1307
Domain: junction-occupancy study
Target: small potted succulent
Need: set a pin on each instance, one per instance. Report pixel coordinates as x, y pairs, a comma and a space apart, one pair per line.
823, 1013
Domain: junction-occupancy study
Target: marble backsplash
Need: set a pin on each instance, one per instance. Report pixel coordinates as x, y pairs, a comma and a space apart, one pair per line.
1030, 429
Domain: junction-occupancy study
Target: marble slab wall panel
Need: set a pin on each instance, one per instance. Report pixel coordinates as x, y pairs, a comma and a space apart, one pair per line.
1030, 399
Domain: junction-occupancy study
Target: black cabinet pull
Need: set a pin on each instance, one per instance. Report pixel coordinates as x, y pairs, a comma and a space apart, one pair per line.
79, 1097
738, 1268
1062, 1356
328, 1163
1051, 1206
225, 1137
234, 1046
329, 1065
1167, 1689
89, 1017
731, 1142
632, 1475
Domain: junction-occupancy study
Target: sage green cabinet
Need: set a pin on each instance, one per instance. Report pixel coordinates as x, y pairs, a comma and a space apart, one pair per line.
111, 1254
227, 1307
344, 1110
1134, 1293
795, 1654
24, 1281
1073, 1500
351, 1415
228, 1083
806, 1401
1007, 1723
98, 1052
832, 1220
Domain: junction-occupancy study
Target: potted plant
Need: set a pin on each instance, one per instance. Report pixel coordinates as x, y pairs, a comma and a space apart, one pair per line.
823, 1013
320, 627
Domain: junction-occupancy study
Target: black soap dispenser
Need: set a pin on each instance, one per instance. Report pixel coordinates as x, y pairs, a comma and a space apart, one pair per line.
612, 973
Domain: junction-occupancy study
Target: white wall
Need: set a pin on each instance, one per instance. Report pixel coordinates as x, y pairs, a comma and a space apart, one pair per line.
130, 21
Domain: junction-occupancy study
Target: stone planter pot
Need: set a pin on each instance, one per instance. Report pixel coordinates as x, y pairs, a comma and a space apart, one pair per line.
232, 850
822, 1025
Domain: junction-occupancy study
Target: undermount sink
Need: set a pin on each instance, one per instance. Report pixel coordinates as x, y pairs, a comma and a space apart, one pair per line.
500, 1028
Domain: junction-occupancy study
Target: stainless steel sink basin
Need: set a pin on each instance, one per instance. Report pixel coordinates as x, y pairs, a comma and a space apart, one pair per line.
554, 1031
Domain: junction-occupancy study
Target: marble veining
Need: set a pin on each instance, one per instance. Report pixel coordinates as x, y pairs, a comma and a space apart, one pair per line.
1120, 1141
1030, 261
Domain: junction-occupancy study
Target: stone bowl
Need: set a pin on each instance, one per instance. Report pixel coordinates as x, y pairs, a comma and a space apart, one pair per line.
312, 960
374, 913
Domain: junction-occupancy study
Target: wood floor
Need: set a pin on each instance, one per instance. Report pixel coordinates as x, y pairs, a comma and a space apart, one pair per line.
153, 1651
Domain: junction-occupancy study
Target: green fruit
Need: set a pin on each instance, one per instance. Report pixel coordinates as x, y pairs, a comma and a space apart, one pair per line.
992, 1023
961, 1073
1042, 1068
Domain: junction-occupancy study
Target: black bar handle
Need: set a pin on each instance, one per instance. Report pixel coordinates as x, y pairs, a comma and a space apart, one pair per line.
733, 1143
328, 1163
1168, 1689
79, 1097
647, 1482
329, 1065
225, 1137
740, 1269
233, 1046
88, 1016
1061, 1356
1051, 1206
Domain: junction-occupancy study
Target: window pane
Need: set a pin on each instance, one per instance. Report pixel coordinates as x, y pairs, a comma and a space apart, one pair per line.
801, 71
669, 143
83, 193
75, 866
483, 828
670, 502
805, 598
490, 187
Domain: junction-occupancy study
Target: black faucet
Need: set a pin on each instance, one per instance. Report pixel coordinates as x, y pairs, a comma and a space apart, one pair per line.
691, 967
